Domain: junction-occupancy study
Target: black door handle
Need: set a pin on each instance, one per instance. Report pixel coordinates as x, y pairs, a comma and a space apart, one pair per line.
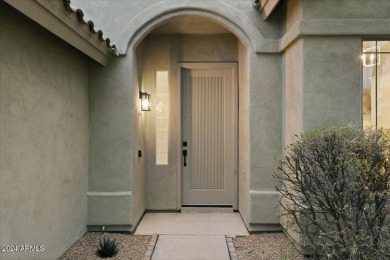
185, 157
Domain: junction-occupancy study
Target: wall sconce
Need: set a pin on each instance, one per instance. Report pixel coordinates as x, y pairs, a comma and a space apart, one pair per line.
370, 60
145, 101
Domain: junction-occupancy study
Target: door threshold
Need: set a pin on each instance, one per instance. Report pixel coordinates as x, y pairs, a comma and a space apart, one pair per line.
207, 209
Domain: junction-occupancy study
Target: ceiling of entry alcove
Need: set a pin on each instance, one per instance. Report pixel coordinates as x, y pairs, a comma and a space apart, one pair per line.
190, 24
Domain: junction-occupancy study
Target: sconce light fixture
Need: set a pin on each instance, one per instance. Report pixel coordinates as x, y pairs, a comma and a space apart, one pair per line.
370, 60
145, 101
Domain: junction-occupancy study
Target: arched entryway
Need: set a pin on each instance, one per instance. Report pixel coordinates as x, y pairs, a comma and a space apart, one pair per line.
166, 37
189, 65
152, 51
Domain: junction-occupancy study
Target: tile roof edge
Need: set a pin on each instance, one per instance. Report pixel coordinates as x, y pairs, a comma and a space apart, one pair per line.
80, 17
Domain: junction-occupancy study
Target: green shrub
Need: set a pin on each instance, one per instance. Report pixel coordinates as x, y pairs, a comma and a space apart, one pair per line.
107, 248
335, 186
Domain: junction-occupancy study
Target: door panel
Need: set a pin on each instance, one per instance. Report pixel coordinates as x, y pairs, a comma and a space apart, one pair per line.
207, 167
208, 130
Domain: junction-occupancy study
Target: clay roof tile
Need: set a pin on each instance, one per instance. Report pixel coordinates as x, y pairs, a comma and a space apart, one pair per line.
80, 16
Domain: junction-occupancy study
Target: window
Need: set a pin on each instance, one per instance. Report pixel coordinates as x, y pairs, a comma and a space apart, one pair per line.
162, 117
376, 84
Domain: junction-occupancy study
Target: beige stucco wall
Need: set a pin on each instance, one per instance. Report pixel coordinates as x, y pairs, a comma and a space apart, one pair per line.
346, 9
43, 139
139, 177
293, 91
116, 192
292, 107
332, 89
161, 181
265, 104
112, 144
243, 134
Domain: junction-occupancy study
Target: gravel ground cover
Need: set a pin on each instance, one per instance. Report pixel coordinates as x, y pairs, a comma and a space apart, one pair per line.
130, 247
265, 246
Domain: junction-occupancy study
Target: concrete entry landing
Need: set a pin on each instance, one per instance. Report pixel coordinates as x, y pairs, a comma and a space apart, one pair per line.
229, 224
192, 236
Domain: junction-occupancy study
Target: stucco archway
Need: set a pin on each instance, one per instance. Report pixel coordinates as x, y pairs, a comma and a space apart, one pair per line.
222, 13
247, 38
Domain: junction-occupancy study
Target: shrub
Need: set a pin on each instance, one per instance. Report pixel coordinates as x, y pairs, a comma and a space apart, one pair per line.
107, 248
335, 186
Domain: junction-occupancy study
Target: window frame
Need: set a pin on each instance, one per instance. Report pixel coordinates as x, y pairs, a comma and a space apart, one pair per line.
376, 40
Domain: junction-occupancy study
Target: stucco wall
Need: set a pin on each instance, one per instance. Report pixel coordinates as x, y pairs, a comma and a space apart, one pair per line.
328, 49
331, 81
43, 137
243, 133
139, 177
111, 144
346, 9
292, 105
265, 94
161, 181
293, 91
116, 194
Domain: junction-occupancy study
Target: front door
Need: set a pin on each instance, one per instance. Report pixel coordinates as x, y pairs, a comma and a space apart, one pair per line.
208, 118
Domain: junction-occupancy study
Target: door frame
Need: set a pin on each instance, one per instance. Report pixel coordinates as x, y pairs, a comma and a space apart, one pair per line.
206, 65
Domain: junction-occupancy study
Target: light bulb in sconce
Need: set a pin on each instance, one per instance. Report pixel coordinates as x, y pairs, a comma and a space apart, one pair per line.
370, 60
145, 103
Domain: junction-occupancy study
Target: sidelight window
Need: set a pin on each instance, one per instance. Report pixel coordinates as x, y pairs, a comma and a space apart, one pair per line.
162, 117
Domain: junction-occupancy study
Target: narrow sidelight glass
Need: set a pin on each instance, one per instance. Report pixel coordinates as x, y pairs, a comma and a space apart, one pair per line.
162, 117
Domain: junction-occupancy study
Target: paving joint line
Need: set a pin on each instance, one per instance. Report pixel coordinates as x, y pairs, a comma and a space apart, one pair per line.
231, 249
151, 247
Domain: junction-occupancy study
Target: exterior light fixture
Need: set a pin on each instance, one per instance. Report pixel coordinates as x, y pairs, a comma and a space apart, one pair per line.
145, 101
371, 57
370, 60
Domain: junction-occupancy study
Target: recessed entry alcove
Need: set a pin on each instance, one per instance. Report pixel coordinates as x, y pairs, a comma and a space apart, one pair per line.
194, 69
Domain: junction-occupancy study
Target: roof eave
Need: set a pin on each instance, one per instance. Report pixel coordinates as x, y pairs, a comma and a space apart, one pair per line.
53, 15
266, 7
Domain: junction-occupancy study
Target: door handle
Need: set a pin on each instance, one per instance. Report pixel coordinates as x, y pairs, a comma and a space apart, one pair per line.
185, 157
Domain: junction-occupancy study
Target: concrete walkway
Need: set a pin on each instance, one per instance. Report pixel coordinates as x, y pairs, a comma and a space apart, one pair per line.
191, 236
183, 247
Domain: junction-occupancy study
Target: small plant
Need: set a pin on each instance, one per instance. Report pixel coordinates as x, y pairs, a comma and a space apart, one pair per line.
335, 187
107, 248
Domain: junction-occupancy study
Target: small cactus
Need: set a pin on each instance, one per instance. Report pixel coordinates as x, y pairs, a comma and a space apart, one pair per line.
107, 248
